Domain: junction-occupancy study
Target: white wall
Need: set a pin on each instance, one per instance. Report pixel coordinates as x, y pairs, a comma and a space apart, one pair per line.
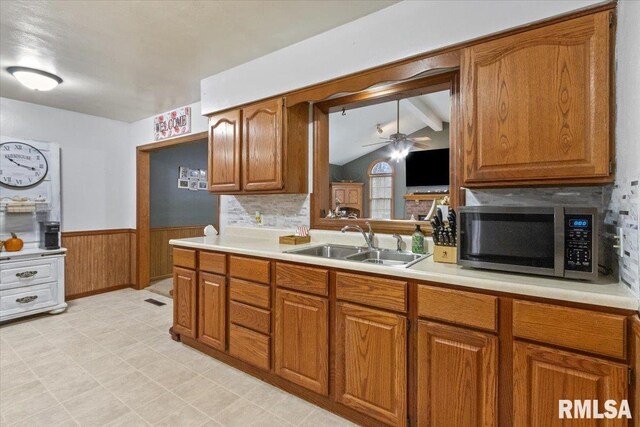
625, 203
628, 89
141, 133
94, 161
398, 31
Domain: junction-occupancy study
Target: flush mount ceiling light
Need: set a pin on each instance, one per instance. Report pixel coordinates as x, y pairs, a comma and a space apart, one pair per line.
35, 79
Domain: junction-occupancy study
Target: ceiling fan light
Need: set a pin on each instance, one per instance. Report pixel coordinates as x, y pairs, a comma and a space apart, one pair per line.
35, 79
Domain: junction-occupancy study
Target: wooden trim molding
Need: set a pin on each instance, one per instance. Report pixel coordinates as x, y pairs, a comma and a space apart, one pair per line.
97, 292
97, 232
143, 236
320, 199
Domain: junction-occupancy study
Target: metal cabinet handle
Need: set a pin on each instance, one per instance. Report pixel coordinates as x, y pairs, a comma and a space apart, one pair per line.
26, 274
25, 300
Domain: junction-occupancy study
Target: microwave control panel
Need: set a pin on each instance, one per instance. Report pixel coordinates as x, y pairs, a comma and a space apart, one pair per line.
578, 243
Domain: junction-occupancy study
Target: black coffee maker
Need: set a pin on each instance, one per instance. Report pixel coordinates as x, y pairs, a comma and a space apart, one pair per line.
49, 235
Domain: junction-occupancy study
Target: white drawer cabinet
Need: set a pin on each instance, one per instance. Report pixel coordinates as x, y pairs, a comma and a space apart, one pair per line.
31, 283
29, 298
29, 272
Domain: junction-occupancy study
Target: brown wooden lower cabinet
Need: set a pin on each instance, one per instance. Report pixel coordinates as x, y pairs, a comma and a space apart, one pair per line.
301, 340
505, 362
184, 301
543, 376
250, 346
371, 362
457, 377
211, 310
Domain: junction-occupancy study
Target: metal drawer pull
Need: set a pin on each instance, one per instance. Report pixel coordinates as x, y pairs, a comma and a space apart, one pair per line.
25, 300
26, 274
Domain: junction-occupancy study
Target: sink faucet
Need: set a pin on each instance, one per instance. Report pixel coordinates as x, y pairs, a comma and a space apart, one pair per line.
398, 241
368, 237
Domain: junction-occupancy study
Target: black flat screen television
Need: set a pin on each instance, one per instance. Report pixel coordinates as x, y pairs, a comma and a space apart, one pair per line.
428, 167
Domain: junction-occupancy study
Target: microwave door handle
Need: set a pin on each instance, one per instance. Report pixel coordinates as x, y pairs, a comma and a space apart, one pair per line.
559, 254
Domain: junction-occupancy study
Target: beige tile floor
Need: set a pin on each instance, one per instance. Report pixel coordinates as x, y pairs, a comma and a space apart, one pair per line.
109, 361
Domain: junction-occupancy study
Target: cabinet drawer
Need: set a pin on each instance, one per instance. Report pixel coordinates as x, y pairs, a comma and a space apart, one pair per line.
184, 258
250, 293
373, 291
212, 262
594, 332
249, 346
256, 270
305, 279
28, 298
253, 318
464, 308
30, 272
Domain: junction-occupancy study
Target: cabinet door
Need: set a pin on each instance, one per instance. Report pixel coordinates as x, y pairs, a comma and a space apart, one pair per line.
371, 362
354, 196
224, 152
457, 377
542, 376
263, 146
338, 194
184, 301
301, 340
536, 105
211, 310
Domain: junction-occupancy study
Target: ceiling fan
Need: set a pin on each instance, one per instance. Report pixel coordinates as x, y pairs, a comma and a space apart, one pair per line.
400, 142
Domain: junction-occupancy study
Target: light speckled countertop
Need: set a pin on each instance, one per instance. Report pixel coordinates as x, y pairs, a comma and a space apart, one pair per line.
605, 292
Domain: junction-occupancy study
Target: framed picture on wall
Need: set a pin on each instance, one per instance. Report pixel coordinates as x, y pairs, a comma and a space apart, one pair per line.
183, 173
194, 173
203, 174
183, 183
193, 184
202, 185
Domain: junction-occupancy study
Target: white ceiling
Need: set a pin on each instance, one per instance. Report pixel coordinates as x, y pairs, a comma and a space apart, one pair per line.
129, 60
350, 132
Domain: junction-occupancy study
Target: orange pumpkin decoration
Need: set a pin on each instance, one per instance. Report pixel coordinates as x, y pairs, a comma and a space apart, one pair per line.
14, 244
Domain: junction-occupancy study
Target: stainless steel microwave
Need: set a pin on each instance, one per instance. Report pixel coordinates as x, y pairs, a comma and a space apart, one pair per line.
552, 241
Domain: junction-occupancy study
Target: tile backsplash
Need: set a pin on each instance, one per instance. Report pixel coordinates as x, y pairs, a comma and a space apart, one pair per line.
597, 197
278, 210
623, 213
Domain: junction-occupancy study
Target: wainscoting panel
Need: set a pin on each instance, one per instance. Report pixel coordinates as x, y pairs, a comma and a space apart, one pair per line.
161, 260
97, 261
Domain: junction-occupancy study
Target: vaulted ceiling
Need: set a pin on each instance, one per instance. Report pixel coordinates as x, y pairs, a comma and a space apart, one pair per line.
350, 134
128, 60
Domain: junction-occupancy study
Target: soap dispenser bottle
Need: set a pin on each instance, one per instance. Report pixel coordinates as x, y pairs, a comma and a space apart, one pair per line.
417, 241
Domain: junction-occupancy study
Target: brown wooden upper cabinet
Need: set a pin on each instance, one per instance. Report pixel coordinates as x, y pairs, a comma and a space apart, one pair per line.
537, 106
224, 152
262, 148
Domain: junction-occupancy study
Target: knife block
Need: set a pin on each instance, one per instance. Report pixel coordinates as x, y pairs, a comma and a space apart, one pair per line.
446, 254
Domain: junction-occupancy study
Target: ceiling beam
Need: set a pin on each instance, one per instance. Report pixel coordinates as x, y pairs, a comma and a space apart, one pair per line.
422, 111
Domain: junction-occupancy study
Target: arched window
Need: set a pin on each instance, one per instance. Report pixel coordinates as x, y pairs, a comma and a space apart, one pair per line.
380, 190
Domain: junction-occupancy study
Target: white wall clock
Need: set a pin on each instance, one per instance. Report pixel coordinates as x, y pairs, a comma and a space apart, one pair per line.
21, 165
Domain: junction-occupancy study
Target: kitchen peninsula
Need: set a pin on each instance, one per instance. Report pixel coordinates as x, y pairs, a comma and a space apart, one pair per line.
375, 343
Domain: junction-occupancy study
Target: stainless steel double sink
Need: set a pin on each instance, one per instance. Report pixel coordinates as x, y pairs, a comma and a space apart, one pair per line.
361, 254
